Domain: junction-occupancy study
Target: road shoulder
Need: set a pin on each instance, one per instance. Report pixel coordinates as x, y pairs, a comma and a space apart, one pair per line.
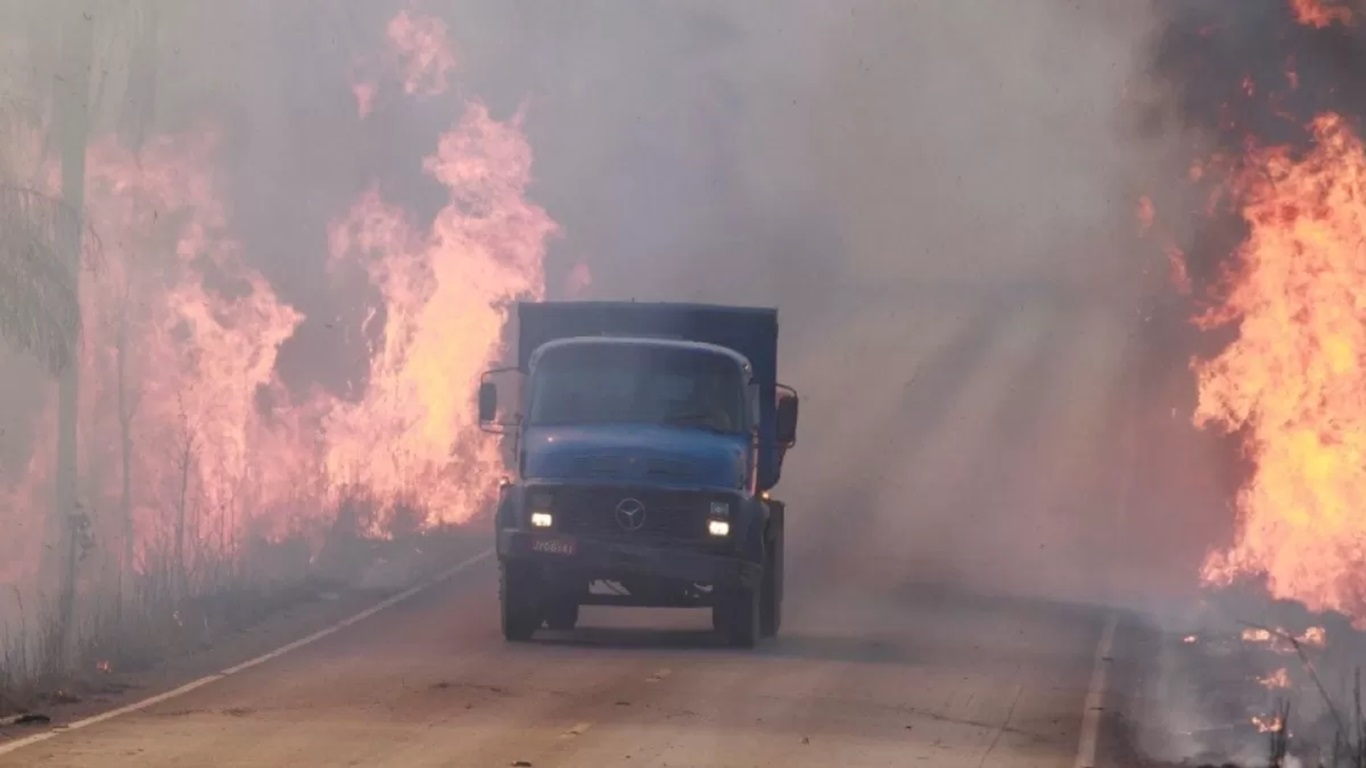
319, 606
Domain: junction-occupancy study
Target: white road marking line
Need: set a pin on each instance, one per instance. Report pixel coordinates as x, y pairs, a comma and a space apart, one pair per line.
1010, 714
1095, 696
660, 675
17, 744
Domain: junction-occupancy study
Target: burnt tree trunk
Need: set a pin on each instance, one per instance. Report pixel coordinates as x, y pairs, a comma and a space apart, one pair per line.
72, 107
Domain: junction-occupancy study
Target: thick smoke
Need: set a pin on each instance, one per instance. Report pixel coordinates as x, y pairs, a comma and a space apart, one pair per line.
872, 168
878, 170
904, 180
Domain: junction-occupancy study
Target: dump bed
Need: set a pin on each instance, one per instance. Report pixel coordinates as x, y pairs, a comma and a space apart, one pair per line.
751, 331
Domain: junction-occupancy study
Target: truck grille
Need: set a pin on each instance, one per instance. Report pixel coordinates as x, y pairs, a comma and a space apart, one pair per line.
666, 514
619, 469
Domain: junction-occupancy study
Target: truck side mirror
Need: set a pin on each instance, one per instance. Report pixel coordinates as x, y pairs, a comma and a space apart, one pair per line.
488, 402
786, 422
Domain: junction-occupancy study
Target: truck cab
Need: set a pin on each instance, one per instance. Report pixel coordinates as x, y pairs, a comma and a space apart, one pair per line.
647, 439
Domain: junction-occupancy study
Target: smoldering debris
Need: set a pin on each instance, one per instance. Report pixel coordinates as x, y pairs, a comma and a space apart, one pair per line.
1241, 675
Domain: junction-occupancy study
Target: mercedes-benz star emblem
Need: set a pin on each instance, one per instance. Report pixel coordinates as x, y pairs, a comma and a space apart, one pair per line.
630, 514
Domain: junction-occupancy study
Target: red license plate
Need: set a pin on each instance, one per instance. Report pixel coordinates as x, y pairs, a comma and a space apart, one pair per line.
555, 546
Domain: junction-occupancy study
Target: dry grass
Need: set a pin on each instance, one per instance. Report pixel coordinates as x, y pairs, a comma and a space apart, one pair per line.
1347, 746
132, 623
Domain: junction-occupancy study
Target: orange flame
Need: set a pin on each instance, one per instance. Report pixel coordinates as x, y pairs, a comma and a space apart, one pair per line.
1267, 723
1315, 14
1177, 274
1146, 214
421, 45
446, 293
182, 336
1295, 378
1278, 679
201, 333
364, 91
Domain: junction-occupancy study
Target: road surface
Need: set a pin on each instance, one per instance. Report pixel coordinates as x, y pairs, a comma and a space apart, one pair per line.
891, 655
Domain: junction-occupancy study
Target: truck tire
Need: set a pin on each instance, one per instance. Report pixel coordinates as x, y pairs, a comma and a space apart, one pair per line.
741, 616
517, 603
771, 617
771, 596
562, 614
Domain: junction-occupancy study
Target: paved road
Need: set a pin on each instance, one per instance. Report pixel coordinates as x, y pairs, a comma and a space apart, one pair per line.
910, 639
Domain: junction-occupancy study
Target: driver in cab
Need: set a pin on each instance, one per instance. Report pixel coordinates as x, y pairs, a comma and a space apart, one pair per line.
704, 407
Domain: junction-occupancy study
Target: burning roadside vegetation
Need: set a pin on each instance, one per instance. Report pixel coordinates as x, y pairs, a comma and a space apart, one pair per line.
214, 490
1271, 96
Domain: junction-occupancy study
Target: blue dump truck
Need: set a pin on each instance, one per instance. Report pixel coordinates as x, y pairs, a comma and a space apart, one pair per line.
647, 439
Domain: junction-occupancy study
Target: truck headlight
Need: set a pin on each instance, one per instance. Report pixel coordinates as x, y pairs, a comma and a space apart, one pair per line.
718, 527
720, 509
541, 520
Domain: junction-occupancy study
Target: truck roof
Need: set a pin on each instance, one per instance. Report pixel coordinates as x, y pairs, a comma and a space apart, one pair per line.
752, 332
656, 341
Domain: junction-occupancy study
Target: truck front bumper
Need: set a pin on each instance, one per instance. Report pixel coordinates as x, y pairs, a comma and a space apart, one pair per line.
557, 555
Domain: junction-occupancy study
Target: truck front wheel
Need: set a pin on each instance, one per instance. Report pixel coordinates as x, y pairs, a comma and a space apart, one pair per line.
772, 617
771, 597
518, 603
739, 616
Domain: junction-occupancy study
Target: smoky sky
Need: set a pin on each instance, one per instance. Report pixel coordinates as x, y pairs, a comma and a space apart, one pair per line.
850, 162
708, 150
641, 118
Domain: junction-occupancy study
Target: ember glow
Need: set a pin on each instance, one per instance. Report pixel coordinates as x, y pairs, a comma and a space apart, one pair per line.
1281, 641
183, 409
1278, 679
1267, 723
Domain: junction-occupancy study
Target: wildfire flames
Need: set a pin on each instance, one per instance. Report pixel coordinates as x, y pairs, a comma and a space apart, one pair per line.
1278, 679
1292, 382
1296, 375
1267, 723
1317, 14
185, 422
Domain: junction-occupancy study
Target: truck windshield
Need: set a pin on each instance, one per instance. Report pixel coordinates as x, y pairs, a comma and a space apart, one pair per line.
624, 383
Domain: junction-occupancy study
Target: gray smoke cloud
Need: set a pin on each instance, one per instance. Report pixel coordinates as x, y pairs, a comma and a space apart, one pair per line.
872, 168
876, 169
